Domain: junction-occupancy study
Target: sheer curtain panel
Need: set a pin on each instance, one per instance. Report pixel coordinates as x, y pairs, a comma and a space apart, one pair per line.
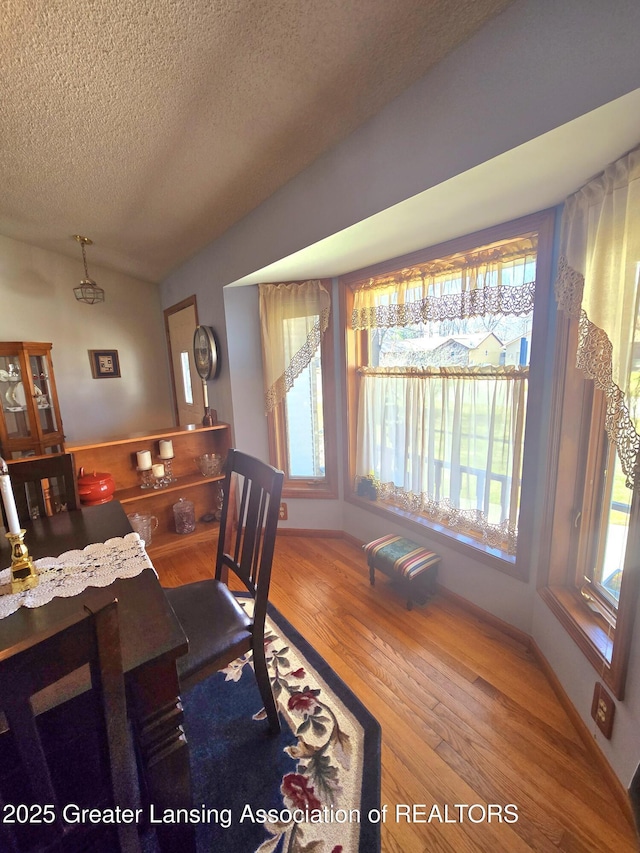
447, 443
598, 284
293, 318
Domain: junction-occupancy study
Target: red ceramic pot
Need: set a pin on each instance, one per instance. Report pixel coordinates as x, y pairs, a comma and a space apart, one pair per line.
95, 488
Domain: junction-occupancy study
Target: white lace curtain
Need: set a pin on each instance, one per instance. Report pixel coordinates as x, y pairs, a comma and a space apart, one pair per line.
293, 318
447, 443
489, 281
598, 284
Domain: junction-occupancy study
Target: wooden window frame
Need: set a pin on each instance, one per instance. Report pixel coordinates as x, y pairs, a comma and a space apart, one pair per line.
572, 515
322, 487
354, 350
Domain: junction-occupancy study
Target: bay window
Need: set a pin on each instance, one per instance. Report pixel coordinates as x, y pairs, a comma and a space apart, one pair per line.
439, 349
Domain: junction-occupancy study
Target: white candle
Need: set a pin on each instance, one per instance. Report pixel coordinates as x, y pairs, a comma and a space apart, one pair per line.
158, 470
144, 459
166, 448
8, 500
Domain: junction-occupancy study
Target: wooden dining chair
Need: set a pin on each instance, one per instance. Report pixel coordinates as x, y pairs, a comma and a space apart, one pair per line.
219, 630
42, 767
43, 485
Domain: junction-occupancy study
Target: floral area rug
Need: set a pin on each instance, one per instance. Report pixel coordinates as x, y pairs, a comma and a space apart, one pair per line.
315, 788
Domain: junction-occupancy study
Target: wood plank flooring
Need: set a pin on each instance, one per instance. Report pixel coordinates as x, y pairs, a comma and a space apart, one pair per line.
467, 715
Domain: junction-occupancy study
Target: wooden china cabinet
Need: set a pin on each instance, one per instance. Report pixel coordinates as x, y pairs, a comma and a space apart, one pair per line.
30, 422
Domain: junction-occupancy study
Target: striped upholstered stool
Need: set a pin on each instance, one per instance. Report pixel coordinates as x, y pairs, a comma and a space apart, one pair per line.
401, 559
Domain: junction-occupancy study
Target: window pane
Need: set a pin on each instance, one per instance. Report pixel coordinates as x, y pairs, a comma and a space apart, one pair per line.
304, 423
186, 378
614, 531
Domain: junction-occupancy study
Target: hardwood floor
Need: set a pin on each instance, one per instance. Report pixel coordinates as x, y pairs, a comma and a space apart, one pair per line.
467, 714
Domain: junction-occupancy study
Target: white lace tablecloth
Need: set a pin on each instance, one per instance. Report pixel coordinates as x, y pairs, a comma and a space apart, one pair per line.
72, 572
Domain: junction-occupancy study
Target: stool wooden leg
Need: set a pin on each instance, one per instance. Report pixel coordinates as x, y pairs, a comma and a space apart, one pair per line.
372, 575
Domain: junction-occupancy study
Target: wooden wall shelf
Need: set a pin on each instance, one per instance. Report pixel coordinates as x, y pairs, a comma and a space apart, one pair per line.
118, 458
126, 496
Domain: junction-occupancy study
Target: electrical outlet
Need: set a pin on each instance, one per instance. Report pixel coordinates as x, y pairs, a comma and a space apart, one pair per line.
602, 709
282, 513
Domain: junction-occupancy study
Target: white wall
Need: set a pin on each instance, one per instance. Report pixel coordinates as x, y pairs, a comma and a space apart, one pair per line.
578, 677
243, 356
539, 64
37, 304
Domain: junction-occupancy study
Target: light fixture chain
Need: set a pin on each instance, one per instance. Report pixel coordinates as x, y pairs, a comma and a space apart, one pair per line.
84, 258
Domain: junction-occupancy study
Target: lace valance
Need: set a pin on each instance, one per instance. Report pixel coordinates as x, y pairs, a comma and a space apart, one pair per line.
498, 281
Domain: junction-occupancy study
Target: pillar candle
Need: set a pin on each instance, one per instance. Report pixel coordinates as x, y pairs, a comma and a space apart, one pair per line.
144, 459
166, 449
8, 499
158, 470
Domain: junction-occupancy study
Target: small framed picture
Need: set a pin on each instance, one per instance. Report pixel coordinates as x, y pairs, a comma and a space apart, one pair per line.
104, 363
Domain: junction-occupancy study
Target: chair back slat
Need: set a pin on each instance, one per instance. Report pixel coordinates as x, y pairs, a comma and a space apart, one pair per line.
252, 533
238, 545
260, 523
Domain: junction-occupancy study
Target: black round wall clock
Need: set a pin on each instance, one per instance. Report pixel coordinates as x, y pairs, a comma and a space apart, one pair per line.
205, 352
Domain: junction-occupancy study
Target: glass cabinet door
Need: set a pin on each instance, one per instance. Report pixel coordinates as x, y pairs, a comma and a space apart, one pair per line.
43, 393
13, 396
30, 423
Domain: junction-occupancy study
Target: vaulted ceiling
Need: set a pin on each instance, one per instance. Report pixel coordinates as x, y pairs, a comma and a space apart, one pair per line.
152, 127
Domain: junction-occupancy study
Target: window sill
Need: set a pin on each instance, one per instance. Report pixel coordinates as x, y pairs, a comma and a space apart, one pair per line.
492, 557
588, 630
319, 491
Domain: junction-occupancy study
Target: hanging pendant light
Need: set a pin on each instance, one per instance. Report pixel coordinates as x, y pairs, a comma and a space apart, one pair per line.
87, 291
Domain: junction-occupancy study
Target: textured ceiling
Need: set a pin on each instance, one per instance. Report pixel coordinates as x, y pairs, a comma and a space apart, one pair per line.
154, 126
532, 176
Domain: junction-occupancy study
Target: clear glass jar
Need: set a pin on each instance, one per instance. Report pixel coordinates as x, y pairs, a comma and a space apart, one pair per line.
185, 516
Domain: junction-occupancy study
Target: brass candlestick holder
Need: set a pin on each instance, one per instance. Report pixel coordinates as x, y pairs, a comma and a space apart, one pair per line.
23, 572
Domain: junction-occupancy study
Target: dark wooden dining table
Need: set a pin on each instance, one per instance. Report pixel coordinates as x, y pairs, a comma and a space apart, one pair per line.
151, 638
